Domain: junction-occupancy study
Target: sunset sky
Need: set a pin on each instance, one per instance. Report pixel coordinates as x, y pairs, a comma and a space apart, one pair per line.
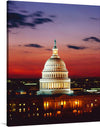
33, 27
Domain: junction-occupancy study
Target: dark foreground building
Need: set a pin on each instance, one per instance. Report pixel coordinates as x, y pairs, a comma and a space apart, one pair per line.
29, 110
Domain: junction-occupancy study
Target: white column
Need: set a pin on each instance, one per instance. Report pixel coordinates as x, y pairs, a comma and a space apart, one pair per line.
47, 86
41, 85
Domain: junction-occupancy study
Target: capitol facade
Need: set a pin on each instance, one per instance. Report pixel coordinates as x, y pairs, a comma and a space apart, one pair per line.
54, 76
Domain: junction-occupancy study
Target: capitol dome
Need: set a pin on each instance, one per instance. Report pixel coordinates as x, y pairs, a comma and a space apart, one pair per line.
55, 64
54, 75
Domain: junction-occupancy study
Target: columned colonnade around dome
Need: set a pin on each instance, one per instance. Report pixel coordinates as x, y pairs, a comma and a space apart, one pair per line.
55, 85
58, 75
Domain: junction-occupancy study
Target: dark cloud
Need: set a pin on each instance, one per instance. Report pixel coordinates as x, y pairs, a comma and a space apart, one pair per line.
49, 49
34, 45
16, 20
92, 39
22, 18
38, 14
27, 52
93, 18
42, 20
23, 11
76, 47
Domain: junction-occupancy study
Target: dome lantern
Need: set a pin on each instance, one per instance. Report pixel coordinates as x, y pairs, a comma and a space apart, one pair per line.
55, 49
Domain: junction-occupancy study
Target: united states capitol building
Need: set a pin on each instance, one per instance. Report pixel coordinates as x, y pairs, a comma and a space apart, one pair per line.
54, 76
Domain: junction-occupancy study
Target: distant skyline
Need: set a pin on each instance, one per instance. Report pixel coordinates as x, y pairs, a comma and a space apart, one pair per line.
33, 27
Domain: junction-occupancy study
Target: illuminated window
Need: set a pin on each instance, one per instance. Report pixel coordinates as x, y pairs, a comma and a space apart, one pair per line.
23, 109
47, 114
59, 85
56, 85
44, 114
20, 104
28, 108
33, 103
74, 111
62, 85
62, 103
37, 109
87, 80
46, 104
65, 85
76, 102
49, 85
50, 114
10, 115
13, 105
13, 109
95, 100
90, 111
22, 92
20, 109
79, 111
91, 104
24, 104
37, 114
87, 105
58, 112
33, 114
43, 85
30, 93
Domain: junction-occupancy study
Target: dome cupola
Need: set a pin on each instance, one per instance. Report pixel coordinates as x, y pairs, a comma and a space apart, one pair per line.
55, 50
